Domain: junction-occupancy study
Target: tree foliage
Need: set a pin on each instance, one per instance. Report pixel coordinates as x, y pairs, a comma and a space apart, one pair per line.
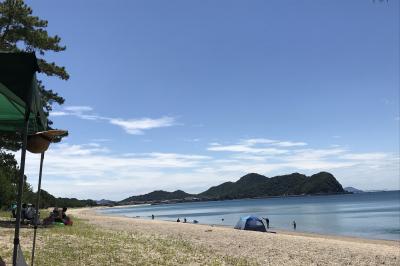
21, 31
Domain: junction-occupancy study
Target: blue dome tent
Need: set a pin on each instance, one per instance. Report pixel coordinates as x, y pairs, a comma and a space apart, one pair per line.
252, 223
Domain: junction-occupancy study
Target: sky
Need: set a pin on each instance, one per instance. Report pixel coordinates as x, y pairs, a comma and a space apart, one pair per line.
189, 94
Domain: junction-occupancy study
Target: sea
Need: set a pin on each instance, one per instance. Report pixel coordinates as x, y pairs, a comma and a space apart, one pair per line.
372, 215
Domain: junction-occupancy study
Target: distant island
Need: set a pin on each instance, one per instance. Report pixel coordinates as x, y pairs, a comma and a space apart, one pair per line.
353, 190
249, 186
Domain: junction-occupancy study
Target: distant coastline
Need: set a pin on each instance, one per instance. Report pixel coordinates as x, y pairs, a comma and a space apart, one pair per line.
252, 186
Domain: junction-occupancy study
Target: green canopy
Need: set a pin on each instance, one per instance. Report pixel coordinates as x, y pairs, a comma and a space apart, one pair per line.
21, 110
19, 93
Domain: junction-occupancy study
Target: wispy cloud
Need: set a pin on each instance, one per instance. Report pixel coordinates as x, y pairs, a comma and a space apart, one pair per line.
258, 145
137, 126
94, 170
70, 170
78, 109
134, 126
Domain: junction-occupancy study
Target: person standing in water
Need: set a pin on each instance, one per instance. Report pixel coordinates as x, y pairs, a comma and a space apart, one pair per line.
294, 225
152, 216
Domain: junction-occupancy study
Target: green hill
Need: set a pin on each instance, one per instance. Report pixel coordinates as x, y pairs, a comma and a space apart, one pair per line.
158, 195
255, 185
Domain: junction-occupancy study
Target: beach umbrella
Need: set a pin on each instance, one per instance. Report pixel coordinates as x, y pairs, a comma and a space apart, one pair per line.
21, 113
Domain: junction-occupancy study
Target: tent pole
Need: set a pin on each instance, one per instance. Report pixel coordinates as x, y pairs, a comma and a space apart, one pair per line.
37, 207
20, 186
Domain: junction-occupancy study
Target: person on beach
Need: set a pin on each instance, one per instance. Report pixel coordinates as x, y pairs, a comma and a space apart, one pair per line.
66, 220
152, 216
30, 212
57, 214
23, 212
178, 221
294, 225
267, 221
184, 220
14, 209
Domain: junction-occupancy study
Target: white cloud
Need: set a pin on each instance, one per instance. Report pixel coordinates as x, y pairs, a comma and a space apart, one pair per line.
78, 109
366, 156
93, 170
258, 141
289, 144
137, 126
257, 145
246, 149
59, 113
134, 126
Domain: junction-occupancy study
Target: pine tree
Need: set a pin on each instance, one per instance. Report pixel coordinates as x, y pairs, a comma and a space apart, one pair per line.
20, 31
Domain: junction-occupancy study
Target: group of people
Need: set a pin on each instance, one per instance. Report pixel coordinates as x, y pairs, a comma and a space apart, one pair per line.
185, 220
28, 212
267, 223
58, 216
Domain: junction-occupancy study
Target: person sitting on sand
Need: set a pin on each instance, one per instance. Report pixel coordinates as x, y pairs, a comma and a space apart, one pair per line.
23, 212
30, 213
66, 220
178, 221
54, 216
57, 215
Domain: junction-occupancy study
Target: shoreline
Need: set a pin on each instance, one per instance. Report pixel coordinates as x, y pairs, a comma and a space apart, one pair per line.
277, 230
284, 247
157, 202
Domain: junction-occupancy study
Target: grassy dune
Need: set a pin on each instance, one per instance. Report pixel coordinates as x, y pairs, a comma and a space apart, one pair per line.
85, 244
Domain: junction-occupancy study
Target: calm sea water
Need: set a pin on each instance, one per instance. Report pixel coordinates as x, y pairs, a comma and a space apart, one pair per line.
370, 215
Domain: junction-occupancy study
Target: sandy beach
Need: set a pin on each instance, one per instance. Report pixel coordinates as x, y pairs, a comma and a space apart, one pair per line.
282, 248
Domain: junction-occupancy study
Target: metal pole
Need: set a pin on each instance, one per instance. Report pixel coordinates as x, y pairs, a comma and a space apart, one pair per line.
20, 186
37, 207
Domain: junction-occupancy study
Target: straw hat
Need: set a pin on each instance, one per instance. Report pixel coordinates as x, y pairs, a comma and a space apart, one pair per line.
40, 141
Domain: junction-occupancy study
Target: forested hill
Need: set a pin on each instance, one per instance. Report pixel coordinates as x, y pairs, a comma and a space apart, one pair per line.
252, 186
255, 185
158, 195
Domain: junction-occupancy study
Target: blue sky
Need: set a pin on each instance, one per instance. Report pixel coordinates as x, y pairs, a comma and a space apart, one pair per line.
187, 94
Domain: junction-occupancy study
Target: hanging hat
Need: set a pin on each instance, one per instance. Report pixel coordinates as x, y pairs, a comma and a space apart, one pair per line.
40, 141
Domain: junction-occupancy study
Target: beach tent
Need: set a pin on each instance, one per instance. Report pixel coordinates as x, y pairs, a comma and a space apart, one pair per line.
21, 114
252, 223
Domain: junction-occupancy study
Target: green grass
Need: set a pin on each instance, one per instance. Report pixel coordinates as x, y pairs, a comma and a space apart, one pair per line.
5, 214
84, 244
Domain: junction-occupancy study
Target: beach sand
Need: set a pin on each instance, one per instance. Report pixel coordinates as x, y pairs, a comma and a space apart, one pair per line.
282, 248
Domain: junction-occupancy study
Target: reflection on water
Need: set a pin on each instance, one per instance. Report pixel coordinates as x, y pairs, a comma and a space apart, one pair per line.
370, 215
